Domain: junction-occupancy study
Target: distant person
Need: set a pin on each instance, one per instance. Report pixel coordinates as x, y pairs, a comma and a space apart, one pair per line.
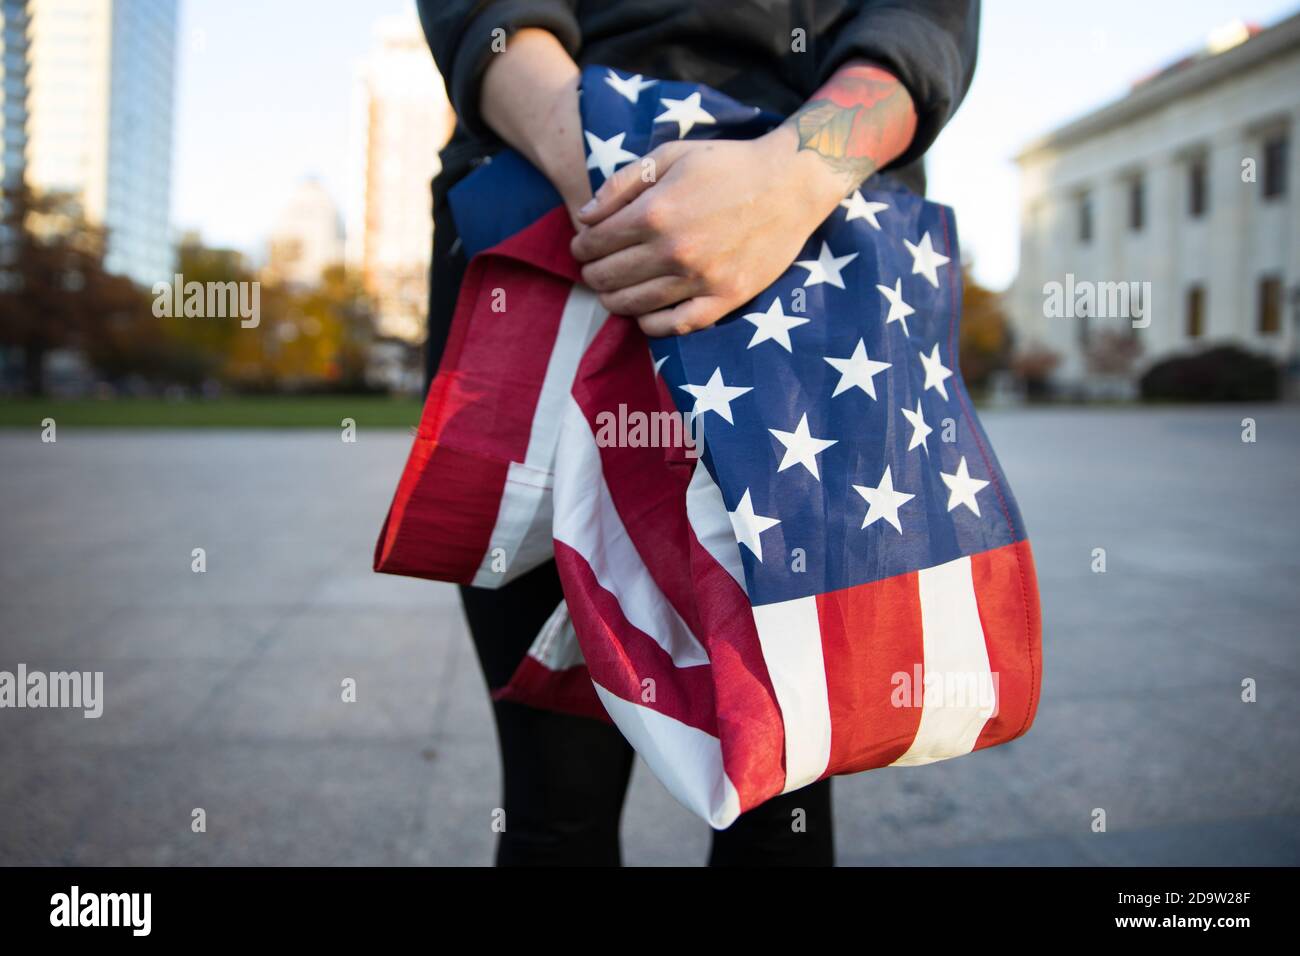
734, 215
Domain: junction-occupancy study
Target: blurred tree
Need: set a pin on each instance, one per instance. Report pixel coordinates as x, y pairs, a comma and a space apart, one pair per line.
309, 338
346, 318
201, 347
54, 292
985, 342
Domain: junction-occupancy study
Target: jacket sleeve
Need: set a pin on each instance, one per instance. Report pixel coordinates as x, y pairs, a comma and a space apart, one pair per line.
461, 34
930, 45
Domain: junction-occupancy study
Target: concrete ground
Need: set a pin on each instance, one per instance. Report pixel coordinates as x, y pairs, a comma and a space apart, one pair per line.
223, 688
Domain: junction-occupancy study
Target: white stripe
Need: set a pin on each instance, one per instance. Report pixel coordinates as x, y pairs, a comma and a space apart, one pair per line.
523, 527
687, 761
791, 637
955, 651
587, 521
521, 538
707, 513
556, 645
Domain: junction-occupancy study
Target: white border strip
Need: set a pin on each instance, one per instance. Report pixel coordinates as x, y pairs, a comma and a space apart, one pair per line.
955, 650
523, 525
791, 635
587, 521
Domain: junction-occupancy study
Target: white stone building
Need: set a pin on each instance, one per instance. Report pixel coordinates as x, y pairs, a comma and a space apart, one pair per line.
1190, 187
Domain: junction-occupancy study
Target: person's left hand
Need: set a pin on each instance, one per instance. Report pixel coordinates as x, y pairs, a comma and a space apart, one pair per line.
721, 221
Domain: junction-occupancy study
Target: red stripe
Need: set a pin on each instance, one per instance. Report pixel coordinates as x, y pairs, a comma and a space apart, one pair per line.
568, 691
543, 245
620, 656
648, 487
1030, 638
478, 415
1006, 619
442, 515
749, 717
509, 314
872, 633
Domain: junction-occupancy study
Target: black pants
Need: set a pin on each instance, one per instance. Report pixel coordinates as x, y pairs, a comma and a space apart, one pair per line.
564, 778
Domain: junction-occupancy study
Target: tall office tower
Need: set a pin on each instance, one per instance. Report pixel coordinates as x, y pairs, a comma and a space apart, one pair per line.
102, 84
13, 149
400, 119
13, 53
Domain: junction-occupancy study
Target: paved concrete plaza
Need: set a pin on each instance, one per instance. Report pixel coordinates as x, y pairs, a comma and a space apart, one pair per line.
222, 689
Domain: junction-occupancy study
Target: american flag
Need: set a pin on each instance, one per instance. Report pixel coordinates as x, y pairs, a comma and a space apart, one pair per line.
835, 579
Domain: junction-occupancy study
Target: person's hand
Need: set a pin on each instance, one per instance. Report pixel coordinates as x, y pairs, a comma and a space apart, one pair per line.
697, 229
721, 221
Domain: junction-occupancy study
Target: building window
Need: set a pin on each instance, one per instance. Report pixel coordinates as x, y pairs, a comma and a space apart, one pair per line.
1275, 160
1195, 312
1270, 305
1085, 217
1136, 203
1197, 189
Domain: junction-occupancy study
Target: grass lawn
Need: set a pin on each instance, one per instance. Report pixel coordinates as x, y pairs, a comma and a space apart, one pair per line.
263, 412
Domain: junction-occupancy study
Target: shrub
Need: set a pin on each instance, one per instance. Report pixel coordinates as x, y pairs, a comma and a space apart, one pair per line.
1223, 374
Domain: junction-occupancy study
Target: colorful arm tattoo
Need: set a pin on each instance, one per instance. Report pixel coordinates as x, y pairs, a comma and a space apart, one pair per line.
860, 120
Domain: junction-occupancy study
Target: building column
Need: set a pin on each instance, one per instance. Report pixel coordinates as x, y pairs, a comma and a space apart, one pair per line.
1291, 268
1228, 311
1165, 210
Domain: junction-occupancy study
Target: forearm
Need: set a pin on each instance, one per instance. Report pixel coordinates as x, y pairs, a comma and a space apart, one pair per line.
530, 99
858, 122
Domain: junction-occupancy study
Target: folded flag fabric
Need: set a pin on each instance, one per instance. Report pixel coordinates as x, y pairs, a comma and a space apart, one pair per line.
473, 502
833, 576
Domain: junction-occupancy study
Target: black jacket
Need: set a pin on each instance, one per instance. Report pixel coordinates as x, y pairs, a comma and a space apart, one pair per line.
751, 50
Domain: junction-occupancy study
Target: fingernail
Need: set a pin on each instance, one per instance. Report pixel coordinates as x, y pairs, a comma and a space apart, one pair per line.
591, 204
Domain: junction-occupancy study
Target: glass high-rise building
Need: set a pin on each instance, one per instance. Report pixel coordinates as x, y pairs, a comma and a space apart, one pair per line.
13, 124
13, 53
101, 91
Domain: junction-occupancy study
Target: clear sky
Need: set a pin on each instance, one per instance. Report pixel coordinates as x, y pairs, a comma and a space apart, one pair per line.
264, 89
264, 93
